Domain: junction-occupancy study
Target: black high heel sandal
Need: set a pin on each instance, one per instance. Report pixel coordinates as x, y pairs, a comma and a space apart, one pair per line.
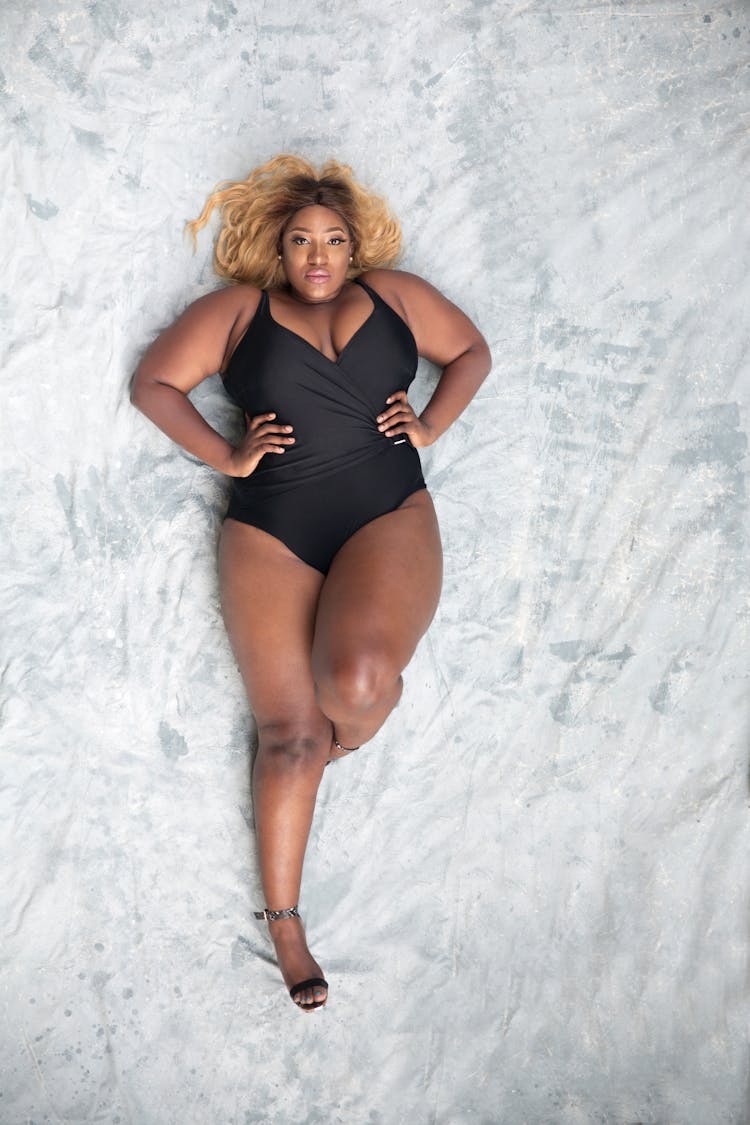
313, 982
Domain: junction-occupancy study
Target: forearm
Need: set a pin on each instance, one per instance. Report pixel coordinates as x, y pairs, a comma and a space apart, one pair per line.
458, 384
174, 413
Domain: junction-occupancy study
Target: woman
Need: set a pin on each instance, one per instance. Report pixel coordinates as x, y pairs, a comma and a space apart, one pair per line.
330, 558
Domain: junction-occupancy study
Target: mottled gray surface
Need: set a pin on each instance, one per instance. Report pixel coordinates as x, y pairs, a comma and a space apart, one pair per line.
529, 893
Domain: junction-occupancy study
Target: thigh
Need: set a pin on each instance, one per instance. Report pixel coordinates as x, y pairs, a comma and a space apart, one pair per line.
269, 599
383, 587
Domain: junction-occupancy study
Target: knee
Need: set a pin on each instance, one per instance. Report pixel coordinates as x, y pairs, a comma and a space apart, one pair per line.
357, 683
292, 746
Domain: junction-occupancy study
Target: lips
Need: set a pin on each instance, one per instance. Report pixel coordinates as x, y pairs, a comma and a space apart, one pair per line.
317, 276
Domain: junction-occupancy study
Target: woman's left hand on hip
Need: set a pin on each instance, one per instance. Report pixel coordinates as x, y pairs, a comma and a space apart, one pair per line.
399, 418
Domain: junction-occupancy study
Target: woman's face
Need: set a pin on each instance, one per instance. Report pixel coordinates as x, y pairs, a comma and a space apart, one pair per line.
315, 249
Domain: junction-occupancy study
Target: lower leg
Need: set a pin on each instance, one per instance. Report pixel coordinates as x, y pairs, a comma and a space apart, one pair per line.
286, 776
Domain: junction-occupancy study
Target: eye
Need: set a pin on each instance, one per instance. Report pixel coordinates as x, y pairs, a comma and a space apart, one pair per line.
298, 240
336, 241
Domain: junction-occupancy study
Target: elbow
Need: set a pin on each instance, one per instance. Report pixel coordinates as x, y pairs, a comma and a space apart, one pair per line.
482, 356
484, 351
137, 394
141, 391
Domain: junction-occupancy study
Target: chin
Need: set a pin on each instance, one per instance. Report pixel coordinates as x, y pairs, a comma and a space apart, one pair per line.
313, 291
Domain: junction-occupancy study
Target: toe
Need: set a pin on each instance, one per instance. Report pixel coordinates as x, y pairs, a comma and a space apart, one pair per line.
309, 999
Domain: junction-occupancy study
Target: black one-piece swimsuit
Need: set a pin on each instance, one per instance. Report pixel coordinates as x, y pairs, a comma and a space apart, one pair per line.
341, 472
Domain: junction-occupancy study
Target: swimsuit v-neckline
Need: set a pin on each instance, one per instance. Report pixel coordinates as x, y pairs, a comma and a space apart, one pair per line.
335, 362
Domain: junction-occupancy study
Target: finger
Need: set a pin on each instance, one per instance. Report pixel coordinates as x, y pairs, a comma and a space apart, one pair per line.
397, 398
260, 419
398, 409
266, 428
270, 447
257, 449
402, 417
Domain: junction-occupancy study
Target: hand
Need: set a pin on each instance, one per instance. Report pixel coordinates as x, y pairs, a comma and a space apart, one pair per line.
263, 435
399, 418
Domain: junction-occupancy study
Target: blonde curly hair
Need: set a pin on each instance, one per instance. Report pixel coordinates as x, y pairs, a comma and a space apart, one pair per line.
255, 212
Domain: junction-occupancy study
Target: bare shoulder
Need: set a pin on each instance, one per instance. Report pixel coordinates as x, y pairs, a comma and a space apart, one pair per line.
410, 294
221, 307
200, 341
397, 284
441, 330
225, 315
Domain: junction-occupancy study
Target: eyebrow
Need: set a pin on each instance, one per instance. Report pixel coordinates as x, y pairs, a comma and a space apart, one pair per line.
328, 230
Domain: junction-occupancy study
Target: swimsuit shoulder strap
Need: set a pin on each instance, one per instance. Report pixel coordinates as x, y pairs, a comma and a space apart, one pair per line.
375, 296
380, 303
377, 300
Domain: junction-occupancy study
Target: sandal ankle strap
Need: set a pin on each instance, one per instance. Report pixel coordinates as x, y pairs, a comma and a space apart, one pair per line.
276, 915
344, 749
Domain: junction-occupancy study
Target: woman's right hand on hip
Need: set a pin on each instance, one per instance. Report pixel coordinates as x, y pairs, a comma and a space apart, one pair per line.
264, 435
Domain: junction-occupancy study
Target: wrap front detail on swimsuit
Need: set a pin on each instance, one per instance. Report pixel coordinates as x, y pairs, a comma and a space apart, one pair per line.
341, 471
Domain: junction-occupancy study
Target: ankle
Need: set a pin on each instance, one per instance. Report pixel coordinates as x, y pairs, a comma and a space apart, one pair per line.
277, 915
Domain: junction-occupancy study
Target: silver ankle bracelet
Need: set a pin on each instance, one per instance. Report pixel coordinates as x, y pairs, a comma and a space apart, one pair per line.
276, 915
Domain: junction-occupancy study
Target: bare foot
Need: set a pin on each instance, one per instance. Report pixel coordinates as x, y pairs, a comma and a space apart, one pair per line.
296, 962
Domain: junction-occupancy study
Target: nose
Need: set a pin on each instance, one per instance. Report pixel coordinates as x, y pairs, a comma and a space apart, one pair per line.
317, 252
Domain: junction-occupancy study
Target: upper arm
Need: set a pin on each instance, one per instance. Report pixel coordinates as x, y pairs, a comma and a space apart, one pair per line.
441, 330
198, 342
